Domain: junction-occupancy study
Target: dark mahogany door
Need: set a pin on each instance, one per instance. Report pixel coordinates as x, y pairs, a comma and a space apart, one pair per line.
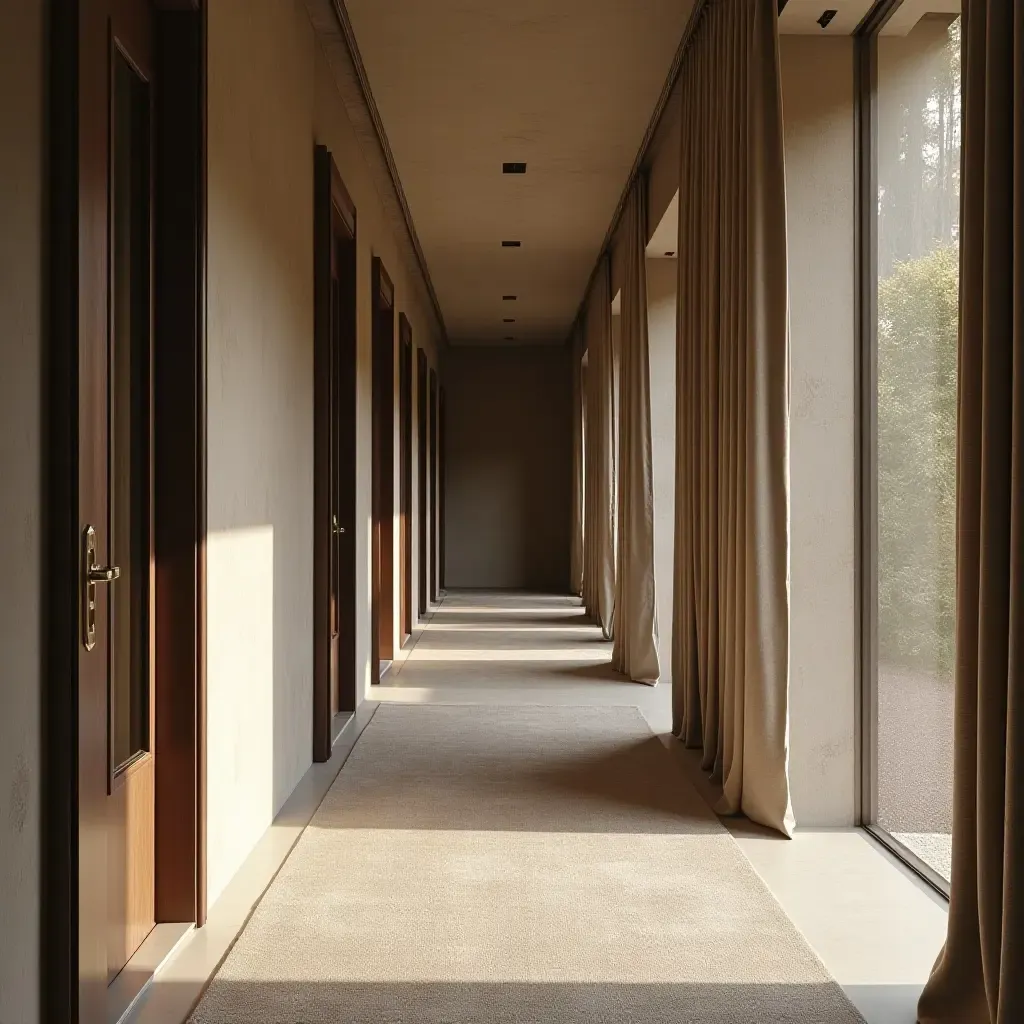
116, 672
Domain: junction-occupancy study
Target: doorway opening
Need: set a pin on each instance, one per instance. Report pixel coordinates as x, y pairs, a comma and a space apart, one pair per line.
382, 612
434, 594
334, 454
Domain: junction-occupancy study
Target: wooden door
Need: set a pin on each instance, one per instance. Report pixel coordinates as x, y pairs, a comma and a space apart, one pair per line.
334, 453
116, 668
423, 477
405, 476
383, 489
434, 503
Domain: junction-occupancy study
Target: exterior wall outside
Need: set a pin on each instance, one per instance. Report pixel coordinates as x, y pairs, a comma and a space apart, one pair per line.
818, 97
661, 336
509, 413
271, 97
22, 180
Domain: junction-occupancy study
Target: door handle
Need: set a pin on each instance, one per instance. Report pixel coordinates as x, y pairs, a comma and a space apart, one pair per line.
92, 574
337, 528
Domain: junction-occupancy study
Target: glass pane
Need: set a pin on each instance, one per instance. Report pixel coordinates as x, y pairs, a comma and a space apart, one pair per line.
129, 414
918, 137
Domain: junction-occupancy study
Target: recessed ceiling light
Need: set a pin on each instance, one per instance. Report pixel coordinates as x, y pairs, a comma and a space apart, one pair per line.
508, 298
513, 168
511, 244
509, 320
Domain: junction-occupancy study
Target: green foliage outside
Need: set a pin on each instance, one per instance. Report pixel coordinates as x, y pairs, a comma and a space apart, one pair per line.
917, 367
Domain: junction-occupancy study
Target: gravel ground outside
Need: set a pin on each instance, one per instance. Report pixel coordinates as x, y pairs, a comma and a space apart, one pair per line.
915, 762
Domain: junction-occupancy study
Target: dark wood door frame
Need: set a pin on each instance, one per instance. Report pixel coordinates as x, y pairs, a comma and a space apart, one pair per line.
441, 485
73, 920
405, 473
434, 503
382, 605
334, 450
422, 439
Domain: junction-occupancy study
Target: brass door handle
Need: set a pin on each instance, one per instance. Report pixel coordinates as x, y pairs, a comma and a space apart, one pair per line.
91, 575
337, 528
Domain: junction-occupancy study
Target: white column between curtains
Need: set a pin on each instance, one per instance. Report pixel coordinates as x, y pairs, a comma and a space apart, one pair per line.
599, 514
731, 604
636, 609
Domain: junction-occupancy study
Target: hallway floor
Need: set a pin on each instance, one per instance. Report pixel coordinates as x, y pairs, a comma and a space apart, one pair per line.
572, 872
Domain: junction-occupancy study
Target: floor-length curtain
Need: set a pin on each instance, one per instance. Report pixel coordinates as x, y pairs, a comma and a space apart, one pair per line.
599, 515
576, 551
731, 603
979, 976
636, 611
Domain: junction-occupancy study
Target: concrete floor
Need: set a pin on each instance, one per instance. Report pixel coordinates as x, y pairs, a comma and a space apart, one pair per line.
874, 925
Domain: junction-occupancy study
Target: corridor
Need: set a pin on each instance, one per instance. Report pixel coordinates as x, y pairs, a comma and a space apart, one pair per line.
509, 840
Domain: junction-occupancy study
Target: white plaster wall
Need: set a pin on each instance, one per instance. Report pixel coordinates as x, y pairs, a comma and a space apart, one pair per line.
661, 337
817, 83
271, 97
22, 179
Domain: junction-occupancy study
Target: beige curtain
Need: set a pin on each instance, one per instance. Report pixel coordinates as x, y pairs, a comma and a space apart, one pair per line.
979, 976
731, 604
636, 612
576, 553
599, 514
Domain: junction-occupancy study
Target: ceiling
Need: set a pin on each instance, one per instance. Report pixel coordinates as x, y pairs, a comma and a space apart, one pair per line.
566, 86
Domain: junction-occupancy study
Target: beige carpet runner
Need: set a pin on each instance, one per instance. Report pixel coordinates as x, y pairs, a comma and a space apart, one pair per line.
517, 864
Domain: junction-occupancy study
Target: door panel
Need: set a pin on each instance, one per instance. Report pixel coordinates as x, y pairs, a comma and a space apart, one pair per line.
117, 757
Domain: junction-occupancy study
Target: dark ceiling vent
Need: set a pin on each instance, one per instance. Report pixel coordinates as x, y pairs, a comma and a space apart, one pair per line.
508, 298
509, 320
508, 337
513, 168
510, 244
670, 254
826, 17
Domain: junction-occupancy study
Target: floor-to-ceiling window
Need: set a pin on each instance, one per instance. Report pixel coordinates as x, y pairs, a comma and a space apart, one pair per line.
911, 158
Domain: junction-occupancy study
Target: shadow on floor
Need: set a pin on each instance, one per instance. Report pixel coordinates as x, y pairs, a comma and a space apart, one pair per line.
247, 1002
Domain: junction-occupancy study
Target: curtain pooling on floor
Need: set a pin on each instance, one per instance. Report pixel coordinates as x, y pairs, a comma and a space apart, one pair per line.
635, 653
978, 977
599, 515
731, 604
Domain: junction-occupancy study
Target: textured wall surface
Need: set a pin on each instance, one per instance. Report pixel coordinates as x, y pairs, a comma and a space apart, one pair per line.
271, 96
509, 467
22, 117
661, 333
817, 81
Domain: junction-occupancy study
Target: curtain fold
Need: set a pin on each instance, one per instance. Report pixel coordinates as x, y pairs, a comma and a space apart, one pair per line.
635, 652
978, 976
576, 552
731, 594
599, 513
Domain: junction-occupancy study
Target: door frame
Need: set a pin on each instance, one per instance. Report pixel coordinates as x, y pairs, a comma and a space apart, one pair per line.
434, 501
72, 927
334, 227
422, 440
382, 560
405, 473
